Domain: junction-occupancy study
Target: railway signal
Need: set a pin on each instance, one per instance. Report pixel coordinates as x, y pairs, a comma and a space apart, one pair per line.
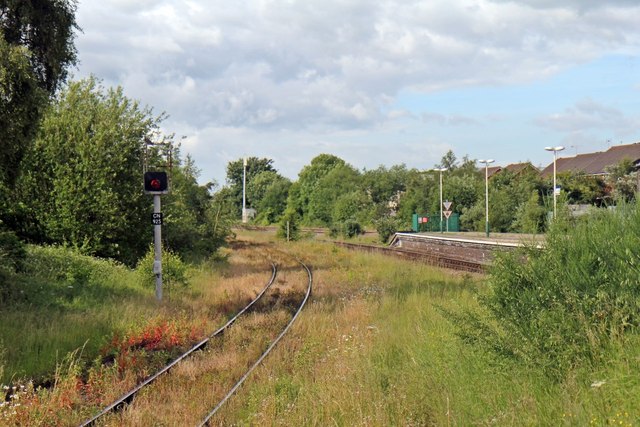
156, 183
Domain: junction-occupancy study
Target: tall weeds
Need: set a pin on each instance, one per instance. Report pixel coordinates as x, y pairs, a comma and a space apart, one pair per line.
565, 305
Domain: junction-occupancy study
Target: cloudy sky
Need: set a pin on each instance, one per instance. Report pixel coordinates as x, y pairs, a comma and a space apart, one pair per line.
375, 82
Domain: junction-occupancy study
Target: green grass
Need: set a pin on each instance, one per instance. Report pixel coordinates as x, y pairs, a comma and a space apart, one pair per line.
65, 301
376, 348
377, 345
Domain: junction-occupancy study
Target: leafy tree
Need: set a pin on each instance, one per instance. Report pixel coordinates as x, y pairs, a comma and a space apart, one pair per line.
462, 190
272, 201
289, 225
579, 187
36, 48
235, 175
82, 181
354, 205
622, 179
386, 226
421, 189
448, 161
193, 229
21, 103
308, 179
45, 28
530, 216
340, 180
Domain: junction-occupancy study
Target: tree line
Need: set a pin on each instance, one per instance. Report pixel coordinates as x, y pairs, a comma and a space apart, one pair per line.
331, 193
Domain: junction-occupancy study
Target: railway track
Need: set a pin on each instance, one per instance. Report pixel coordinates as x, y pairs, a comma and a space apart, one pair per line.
435, 259
107, 415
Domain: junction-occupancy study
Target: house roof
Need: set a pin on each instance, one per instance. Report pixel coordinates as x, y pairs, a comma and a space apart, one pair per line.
493, 170
515, 168
595, 163
519, 167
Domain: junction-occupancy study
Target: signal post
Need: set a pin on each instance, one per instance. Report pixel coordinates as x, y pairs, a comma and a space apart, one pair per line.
157, 183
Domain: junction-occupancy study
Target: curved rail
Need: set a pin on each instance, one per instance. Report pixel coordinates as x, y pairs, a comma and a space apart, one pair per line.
429, 258
128, 396
206, 420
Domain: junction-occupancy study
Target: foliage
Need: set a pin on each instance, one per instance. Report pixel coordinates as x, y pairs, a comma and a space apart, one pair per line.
448, 161
340, 180
12, 252
530, 215
580, 188
81, 181
350, 228
36, 48
353, 205
289, 227
308, 180
385, 188
174, 270
421, 190
236, 174
194, 227
46, 29
562, 306
386, 227
271, 200
21, 103
623, 179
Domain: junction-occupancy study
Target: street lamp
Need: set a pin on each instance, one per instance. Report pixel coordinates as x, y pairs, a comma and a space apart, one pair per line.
244, 190
486, 189
555, 155
440, 170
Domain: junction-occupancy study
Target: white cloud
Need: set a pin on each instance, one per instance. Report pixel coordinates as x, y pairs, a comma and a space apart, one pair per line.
324, 67
588, 115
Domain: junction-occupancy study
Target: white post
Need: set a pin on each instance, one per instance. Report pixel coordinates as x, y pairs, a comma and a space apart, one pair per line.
486, 196
486, 192
555, 155
157, 245
441, 214
555, 203
244, 190
441, 200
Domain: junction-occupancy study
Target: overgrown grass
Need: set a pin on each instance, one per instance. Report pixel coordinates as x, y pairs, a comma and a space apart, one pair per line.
64, 301
377, 347
569, 303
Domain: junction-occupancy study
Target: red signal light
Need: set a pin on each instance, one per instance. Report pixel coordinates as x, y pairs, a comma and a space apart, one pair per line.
156, 182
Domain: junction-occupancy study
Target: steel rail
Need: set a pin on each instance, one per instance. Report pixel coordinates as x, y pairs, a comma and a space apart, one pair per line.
429, 258
128, 396
206, 420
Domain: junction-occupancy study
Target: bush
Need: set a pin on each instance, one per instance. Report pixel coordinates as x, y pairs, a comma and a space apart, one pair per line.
288, 226
174, 270
567, 303
351, 228
386, 227
12, 252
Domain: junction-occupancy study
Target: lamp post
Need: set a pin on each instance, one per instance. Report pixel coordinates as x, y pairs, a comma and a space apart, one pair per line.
244, 190
555, 156
440, 170
486, 191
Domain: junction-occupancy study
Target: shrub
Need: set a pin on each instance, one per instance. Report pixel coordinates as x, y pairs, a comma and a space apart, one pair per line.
288, 226
566, 303
174, 270
386, 227
12, 252
351, 228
